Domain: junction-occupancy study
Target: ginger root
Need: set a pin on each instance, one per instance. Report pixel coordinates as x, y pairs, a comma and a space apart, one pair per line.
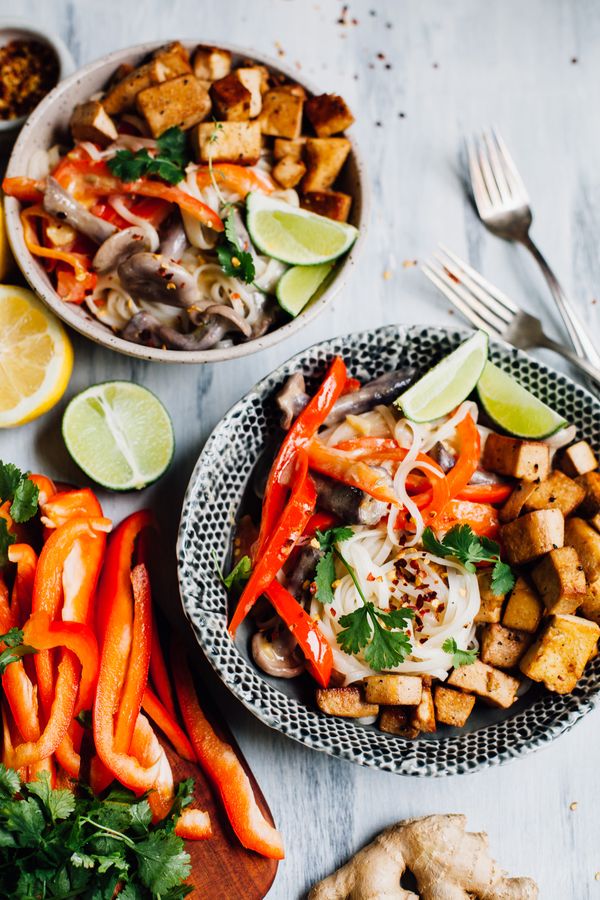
447, 862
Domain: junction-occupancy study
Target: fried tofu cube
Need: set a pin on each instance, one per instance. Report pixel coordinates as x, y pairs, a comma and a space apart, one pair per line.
560, 580
294, 149
396, 720
252, 79
211, 63
328, 114
557, 492
91, 122
513, 507
281, 114
502, 647
288, 172
524, 609
393, 690
180, 102
119, 74
595, 521
560, 654
422, 716
590, 608
578, 459
345, 701
586, 541
237, 142
495, 687
290, 87
490, 607
452, 707
332, 204
590, 482
171, 61
324, 159
231, 99
122, 96
527, 460
532, 535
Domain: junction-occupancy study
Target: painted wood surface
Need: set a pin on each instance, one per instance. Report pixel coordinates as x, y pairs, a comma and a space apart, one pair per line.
419, 74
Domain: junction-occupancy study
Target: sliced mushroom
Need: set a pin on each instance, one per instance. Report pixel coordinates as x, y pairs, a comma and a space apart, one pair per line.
291, 399
62, 206
144, 328
150, 276
174, 239
276, 654
350, 504
303, 571
226, 312
446, 460
120, 246
383, 390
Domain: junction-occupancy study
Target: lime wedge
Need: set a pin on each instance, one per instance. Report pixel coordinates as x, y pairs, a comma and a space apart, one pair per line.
513, 407
295, 236
296, 287
120, 434
447, 384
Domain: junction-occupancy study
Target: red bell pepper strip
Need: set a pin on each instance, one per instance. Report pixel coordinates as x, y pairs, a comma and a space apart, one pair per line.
79, 261
26, 190
146, 748
26, 560
46, 765
160, 675
139, 661
314, 645
319, 521
231, 177
224, 769
193, 825
65, 505
482, 518
485, 493
288, 530
300, 434
468, 457
45, 486
168, 724
344, 467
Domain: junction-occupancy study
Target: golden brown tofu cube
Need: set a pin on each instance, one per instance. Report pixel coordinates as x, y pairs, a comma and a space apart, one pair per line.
586, 541
91, 122
560, 654
560, 580
122, 96
119, 74
578, 459
324, 159
211, 63
595, 521
180, 102
557, 492
532, 535
524, 609
291, 88
281, 114
231, 99
495, 687
393, 690
332, 204
252, 79
328, 114
237, 142
490, 607
283, 147
502, 647
590, 608
345, 701
288, 172
397, 720
590, 482
452, 707
171, 61
527, 460
513, 507
422, 716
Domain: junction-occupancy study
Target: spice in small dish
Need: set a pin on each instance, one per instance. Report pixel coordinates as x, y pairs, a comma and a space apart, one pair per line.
28, 71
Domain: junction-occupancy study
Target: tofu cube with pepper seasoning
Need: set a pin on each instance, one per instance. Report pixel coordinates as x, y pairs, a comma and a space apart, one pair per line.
332, 204
560, 580
122, 95
586, 541
170, 61
231, 99
294, 149
393, 690
532, 535
237, 142
590, 608
495, 687
590, 482
324, 159
524, 609
527, 460
281, 114
345, 701
396, 720
180, 102
422, 716
502, 647
211, 63
288, 172
490, 608
578, 459
452, 707
91, 122
252, 79
561, 652
557, 492
328, 114
513, 507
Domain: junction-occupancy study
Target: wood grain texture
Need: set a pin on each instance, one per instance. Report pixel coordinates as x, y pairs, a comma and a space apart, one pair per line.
533, 69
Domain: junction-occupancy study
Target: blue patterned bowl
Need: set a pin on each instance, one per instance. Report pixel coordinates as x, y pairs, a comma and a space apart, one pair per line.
215, 495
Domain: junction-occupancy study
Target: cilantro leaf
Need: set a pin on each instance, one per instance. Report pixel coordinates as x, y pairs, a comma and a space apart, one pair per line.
168, 162
239, 575
15, 650
9, 782
141, 815
129, 166
21, 490
333, 536
387, 649
463, 544
324, 578
396, 618
459, 657
25, 819
59, 804
503, 579
233, 259
10, 476
367, 627
172, 145
12, 638
162, 862
356, 630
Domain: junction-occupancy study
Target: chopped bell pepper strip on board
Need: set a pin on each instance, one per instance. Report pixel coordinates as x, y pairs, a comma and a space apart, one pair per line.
168, 724
224, 769
26, 560
288, 530
64, 505
193, 825
136, 679
314, 645
146, 748
45, 486
160, 675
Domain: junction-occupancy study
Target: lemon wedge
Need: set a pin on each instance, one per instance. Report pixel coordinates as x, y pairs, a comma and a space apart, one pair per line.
36, 357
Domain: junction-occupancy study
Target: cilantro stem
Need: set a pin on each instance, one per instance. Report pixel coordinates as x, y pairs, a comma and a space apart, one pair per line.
117, 835
351, 573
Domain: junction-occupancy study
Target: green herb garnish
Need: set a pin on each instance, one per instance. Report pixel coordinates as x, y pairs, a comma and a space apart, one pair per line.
21, 490
238, 576
459, 657
168, 162
325, 573
14, 648
233, 259
463, 544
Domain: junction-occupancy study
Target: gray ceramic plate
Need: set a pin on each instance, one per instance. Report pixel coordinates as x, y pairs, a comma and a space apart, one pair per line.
217, 492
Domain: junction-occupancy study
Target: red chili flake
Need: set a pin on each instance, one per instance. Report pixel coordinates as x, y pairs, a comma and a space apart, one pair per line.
333, 612
370, 577
441, 607
414, 564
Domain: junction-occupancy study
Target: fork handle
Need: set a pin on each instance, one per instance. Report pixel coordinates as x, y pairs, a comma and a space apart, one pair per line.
582, 343
579, 362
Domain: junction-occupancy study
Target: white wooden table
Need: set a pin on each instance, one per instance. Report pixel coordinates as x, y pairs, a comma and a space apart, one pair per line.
418, 75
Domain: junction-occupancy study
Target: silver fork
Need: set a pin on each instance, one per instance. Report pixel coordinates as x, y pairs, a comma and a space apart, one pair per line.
488, 308
504, 208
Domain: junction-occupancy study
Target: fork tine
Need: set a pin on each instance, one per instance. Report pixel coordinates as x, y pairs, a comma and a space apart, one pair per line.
492, 291
445, 285
515, 181
496, 166
480, 193
487, 307
488, 175
481, 309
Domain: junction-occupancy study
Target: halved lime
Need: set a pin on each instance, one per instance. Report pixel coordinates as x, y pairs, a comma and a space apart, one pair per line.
515, 408
447, 384
295, 236
120, 434
296, 287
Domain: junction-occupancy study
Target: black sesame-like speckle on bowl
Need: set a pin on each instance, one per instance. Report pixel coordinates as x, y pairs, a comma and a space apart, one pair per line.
212, 502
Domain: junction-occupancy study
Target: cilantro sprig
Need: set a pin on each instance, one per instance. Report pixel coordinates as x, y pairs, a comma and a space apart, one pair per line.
459, 657
463, 544
238, 576
14, 648
367, 628
168, 162
53, 843
22, 493
233, 259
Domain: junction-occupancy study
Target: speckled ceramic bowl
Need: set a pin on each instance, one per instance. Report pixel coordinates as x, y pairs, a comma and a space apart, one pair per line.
49, 123
215, 496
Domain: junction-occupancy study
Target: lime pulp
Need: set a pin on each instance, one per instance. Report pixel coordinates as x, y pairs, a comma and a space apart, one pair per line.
513, 407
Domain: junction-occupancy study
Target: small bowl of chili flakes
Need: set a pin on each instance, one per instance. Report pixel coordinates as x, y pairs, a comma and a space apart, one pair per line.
32, 62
